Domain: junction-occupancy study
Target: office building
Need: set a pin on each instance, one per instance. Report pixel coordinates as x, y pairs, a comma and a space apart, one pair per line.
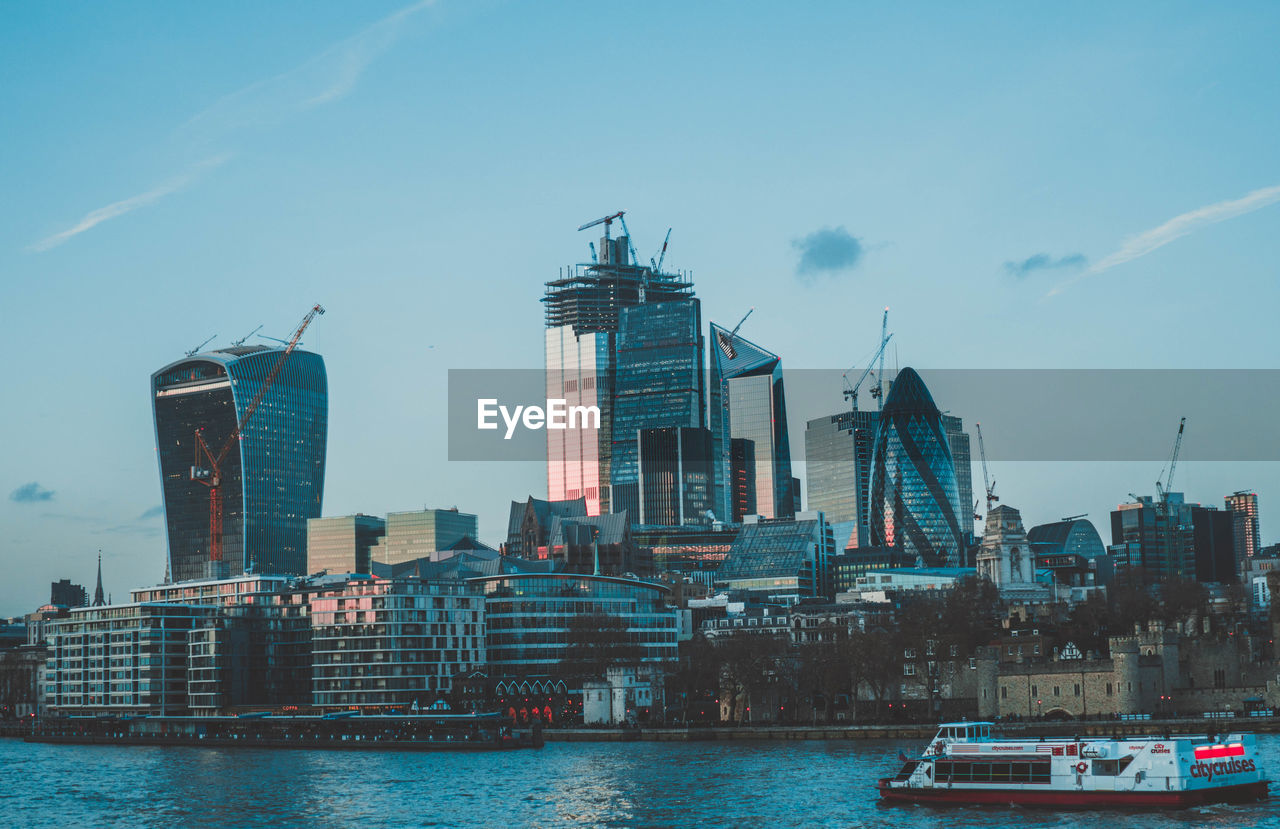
780, 560
838, 452
658, 384
1244, 506
958, 443
583, 308
1173, 539
914, 496
426, 533
272, 479
675, 485
750, 446
342, 544
63, 593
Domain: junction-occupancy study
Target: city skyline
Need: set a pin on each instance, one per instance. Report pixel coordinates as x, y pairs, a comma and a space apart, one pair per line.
248, 170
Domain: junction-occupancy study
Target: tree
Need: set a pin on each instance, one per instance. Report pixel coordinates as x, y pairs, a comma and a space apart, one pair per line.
749, 662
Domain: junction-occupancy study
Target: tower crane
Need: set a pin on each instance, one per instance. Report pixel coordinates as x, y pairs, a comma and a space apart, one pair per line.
1162, 489
986, 478
193, 352
726, 340
635, 260
240, 342
657, 266
877, 391
606, 221
851, 390
207, 468
594, 259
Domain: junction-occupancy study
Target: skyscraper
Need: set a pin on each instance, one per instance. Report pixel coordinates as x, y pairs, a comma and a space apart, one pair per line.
582, 317
1244, 507
748, 415
913, 492
675, 476
837, 452
958, 443
658, 384
272, 480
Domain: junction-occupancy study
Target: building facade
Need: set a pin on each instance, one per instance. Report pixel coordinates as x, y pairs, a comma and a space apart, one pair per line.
838, 450
675, 480
750, 446
343, 544
423, 533
780, 560
914, 497
382, 644
582, 311
271, 481
658, 384
1243, 505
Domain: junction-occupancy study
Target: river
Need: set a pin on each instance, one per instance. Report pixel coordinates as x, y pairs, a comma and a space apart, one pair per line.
741, 784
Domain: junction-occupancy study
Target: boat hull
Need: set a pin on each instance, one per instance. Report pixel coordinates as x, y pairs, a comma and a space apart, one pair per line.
1073, 799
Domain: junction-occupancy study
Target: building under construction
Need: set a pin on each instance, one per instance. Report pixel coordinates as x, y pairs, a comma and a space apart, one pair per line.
583, 317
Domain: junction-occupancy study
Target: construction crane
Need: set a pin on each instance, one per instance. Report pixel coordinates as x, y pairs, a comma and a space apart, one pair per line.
193, 352
989, 484
594, 259
635, 260
209, 473
240, 342
1162, 489
851, 390
606, 221
1075, 517
877, 391
726, 340
657, 266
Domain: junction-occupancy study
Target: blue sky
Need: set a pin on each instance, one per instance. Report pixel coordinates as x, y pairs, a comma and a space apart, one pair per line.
1029, 185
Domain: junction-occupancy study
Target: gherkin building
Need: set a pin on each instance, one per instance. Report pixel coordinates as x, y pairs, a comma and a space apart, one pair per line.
914, 497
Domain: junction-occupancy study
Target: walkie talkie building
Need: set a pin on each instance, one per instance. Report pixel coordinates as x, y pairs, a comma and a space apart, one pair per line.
272, 481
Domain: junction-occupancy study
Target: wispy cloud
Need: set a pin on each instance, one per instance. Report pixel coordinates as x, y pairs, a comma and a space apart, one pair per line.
1177, 227
116, 209
154, 512
324, 78
31, 493
829, 250
1044, 262
321, 79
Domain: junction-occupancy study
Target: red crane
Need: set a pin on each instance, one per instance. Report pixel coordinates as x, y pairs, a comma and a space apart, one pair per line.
210, 474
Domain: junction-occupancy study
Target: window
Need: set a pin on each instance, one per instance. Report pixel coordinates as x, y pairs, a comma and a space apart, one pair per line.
1057, 691
909, 669
1108, 689
1077, 689
973, 662
1035, 692
1004, 692
909, 653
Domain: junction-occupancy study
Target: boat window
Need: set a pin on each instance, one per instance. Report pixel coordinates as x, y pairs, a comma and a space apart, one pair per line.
1110, 768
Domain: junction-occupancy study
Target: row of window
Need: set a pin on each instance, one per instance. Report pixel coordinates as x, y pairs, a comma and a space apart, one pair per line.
965, 771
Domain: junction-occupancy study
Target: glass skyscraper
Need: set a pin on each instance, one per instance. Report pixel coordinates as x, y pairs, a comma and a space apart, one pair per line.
837, 451
748, 415
913, 493
272, 481
583, 314
658, 384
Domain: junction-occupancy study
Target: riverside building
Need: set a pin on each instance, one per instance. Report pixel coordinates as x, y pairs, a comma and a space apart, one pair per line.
273, 479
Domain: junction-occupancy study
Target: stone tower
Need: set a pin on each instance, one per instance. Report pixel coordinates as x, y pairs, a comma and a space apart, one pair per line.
1005, 557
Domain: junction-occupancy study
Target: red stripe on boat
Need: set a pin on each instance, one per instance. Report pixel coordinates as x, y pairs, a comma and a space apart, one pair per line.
1210, 752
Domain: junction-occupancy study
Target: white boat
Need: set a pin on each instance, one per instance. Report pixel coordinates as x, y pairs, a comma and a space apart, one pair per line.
965, 764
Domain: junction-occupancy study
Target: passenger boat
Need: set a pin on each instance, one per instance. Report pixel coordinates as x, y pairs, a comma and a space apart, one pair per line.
965, 764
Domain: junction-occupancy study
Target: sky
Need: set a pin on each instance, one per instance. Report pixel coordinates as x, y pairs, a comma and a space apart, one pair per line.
1027, 186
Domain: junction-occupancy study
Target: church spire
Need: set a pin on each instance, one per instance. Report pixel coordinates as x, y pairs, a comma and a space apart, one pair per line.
98, 600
